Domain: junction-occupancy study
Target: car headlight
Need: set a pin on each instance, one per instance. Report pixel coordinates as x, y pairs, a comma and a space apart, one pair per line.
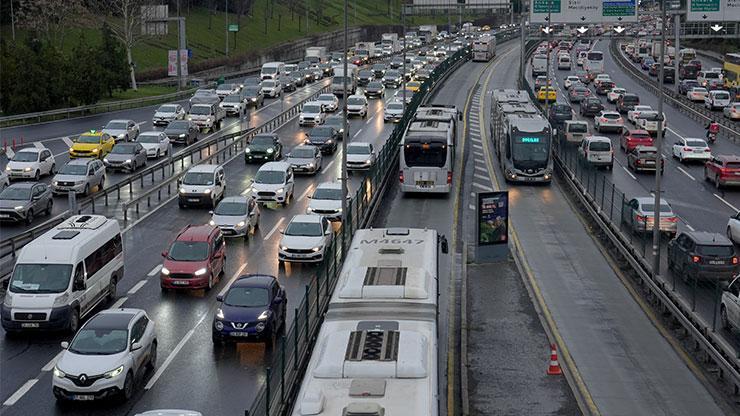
200, 272
182, 190
128, 161
59, 373
284, 248
114, 372
309, 210
310, 165
316, 249
270, 150
8, 301
264, 315
26, 169
55, 183
367, 162
240, 224
207, 191
8, 167
95, 150
219, 314
18, 208
247, 150
329, 141
211, 222
254, 99
190, 117
105, 160
339, 210
280, 191
182, 135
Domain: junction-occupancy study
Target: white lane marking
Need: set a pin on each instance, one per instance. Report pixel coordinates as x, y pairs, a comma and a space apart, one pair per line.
68, 141
50, 365
38, 145
479, 176
141, 123
20, 392
155, 270
629, 173
305, 193
174, 352
475, 139
481, 168
674, 132
473, 195
356, 134
119, 303
371, 118
726, 203
237, 274
267, 237
326, 169
477, 146
484, 187
137, 286
685, 173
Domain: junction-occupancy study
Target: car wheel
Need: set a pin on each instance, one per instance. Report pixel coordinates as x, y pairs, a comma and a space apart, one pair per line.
49, 206
86, 192
157, 155
723, 318
74, 321
210, 282
217, 341
152, 364
29, 217
53, 169
729, 234
128, 387
112, 289
102, 183
717, 183
37, 176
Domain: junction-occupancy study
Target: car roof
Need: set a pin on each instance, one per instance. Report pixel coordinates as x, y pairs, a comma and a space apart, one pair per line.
598, 139
235, 198
121, 120
23, 185
281, 166
728, 158
31, 150
313, 219
329, 185
112, 319
304, 146
650, 200
80, 161
254, 280
359, 144
196, 232
646, 148
709, 239
204, 168
637, 131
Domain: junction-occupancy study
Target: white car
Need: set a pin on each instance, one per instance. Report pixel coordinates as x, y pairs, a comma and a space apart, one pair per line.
608, 120
357, 106
4, 180
330, 102
690, 148
697, 94
601, 78
305, 239
202, 185
648, 121
360, 156
732, 111
398, 95
31, 163
274, 182
613, 95
312, 114
170, 412
236, 216
271, 88
570, 80
717, 100
167, 113
733, 228
393, 111
635, 112
106, 357
326, 201
156, 143
305, 158
122, 130
730, 306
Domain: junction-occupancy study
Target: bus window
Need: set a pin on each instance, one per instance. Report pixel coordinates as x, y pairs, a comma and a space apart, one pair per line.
432, 154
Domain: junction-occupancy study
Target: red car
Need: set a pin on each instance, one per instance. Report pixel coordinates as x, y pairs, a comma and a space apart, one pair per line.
633, 138
195, 259
723, 170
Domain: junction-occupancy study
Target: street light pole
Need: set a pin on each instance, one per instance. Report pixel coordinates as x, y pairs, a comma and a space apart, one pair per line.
345, 125
179, 45
227, 27
547, 67
658, 144
403, 69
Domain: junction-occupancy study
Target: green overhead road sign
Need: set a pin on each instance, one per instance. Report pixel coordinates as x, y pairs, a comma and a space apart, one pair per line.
233, 28
583, 11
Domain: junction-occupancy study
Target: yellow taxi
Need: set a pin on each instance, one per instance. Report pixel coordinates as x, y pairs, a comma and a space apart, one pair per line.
92, 144
547, 93
413, 86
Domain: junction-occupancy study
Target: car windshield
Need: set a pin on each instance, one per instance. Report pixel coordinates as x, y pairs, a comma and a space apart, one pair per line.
231, 208
148, 138
366, 74
270, 177
355, 101
378, 67
178, 125
611, 116
375, 85
722, 96
600, 146
188, 251
225, 87
312, 108
70, 169
649, 116
326, 98
302, 153
198, 178
712, 75
247, 297
358, 150
577, 128
123, 149
392, 74
269, 70
40, 278
232, 98
720, 251
252, 90
200, 109
696, 143
333, 194
167, 108
116, 125
99, 341
394, 106
26, 157
268, 84
650, 207
83, 139
304, 229
262, 141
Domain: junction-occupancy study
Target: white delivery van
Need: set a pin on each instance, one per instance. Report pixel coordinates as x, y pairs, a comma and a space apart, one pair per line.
539, 65
272, 70
717, 100
597, 151
61, 276
564, 61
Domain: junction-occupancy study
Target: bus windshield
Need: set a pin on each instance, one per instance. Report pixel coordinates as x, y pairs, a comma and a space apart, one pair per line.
425, 153
530, 150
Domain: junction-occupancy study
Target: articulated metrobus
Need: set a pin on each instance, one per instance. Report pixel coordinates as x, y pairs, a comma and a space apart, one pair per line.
731, 69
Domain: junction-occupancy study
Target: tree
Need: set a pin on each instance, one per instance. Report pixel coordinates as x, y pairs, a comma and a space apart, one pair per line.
113, 62
124, 18
85, 74
48, 18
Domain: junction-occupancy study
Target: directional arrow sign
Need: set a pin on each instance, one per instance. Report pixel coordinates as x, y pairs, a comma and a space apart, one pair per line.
619, 29
582, 30
716, 27
547, 29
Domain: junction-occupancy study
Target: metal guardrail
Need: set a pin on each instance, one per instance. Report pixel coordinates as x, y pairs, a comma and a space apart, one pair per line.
603, 201
680, 102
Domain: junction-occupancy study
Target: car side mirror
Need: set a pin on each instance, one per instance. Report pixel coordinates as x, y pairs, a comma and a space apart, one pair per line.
327, 231
6, 283
281, 231
136, 346
210, 212
79, 285
65, 345
165, 253
219, 298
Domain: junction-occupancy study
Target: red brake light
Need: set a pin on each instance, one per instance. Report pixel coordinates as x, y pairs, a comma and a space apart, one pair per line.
686, 149
672, 219
400, 176
640, 218
734, 260
449, 177
695, 259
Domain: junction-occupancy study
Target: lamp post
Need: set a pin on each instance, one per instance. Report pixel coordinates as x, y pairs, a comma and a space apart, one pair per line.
345, 125
658, 140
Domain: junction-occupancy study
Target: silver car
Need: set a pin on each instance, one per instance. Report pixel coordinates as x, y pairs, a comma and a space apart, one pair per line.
305, 159
167, 113
639, 215
126, 156
236, 216
122, 130
79, 176
22, 201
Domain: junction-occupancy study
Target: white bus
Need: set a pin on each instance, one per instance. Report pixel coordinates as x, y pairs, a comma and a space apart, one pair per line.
484, 48
376, 352
428, 150
594, 63
62, 275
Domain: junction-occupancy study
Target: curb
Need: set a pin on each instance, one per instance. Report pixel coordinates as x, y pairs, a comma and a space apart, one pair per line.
464, 333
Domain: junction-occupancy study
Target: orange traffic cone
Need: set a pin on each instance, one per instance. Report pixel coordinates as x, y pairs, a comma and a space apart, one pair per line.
554, 368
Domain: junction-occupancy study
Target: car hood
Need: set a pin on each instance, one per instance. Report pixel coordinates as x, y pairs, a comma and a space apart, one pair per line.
305, 114
318, 139
373, 89
196, 189
258, 147
148, 146
393, 111
21, 165
114, 132
119, 157
91, 365
267, 187
165, 115
69, 178
175, 131
228, 219
356, 106
301, 243
12, 203
325, 204
358, 158
242, 313
86, 146
199, 116
299, 161
187, 267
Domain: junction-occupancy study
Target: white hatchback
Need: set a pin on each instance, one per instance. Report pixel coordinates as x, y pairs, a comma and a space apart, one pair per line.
691, 149
326, 201
156, 143
357, 106
31, 163
608, 120
330, 102
570, 80
312, 114
305, 239
613, 95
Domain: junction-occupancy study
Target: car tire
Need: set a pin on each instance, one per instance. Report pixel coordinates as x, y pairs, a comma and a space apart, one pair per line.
49, 207
210, 282
37, 175
152, 363
74, 321
717, 183
729, 235
112, 289
217, 341
128, 387
29, 217
723, 318
156, 156
86, 191
53, 170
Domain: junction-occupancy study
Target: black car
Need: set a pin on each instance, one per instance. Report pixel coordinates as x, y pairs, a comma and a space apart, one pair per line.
323, 137
591, 106
392, 79
558, 113
251, 82
337, 122
686, 85
669, 75
379, 70
364, 77
254, 96
375, 89
263, 147
688, 71
604, 87
695, 255
182, 131
288, 83
627, 102
327, 68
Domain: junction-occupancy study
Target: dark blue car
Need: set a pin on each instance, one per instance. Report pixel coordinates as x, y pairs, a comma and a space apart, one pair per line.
253, 309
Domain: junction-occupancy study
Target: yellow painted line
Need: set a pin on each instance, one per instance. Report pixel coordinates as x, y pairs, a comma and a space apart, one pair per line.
564, 352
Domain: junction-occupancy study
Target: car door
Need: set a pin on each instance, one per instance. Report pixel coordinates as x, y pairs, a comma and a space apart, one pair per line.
735, 228
219, 250
319, 158
138, 328
328, 232
47, 161
141, 153
108, 143
221, 180
733, 303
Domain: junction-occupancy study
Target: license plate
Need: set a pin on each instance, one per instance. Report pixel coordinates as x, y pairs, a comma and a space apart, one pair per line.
193, 199
180, 282
228, 232
240, 334
424, 184
30, 325
719, 262
83, 397
698, 151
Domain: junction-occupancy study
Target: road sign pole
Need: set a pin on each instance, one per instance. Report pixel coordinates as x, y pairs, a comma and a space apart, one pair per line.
677, 46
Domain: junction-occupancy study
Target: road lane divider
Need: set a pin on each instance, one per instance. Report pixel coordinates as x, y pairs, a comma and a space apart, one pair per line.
20, 392
272, 231
136, 287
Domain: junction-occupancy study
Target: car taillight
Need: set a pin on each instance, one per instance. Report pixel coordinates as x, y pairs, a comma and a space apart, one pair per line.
671, 219
734, 260
640, 218
400, 176
695, 259
449, 177
686, 149
603, 119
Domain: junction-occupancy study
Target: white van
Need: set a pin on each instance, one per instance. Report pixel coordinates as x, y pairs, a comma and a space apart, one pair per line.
717, 100
564, 61
63, 274
272, 70
574, 131
581, 58
539, 65
202, 185
597, 151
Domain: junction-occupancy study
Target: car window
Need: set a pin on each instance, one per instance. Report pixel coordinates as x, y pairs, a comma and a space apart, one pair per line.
735, 287
137, 331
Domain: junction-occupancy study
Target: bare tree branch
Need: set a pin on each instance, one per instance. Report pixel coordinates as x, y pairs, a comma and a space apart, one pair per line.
48, 18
